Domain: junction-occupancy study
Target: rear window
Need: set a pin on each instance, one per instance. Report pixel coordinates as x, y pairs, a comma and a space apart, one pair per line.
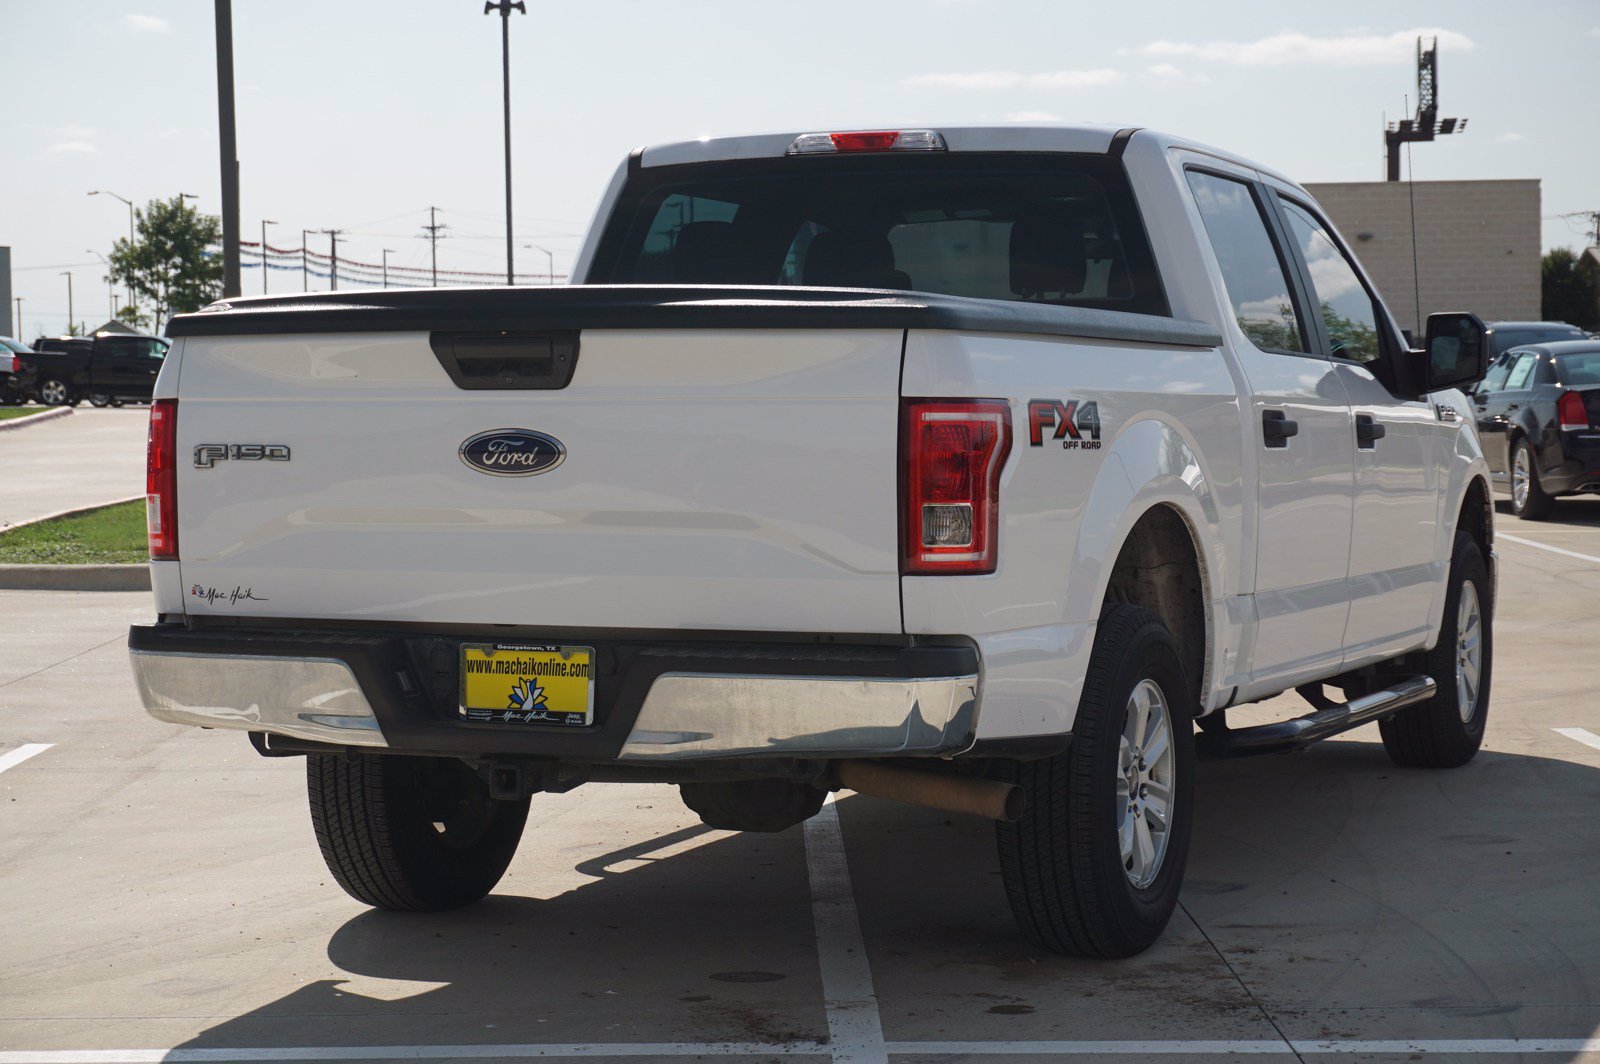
1580, 369
1029, 227
1505, 339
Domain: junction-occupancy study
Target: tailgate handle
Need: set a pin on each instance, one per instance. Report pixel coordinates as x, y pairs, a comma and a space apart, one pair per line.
505, 360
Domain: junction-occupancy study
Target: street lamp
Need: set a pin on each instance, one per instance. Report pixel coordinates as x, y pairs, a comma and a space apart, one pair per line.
505, 7
386, 253
111, 292
68, 275
264, 223
129, 202
550, 277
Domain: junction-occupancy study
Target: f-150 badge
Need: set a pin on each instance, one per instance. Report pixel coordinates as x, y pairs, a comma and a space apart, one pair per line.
207, 455
1076, 423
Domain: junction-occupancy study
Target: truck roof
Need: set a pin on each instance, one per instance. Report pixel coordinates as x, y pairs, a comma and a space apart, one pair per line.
1011, 136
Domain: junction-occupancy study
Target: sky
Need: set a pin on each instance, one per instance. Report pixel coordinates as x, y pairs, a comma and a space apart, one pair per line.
359, 116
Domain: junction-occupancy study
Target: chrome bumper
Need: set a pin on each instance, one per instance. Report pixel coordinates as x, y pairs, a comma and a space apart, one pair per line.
306, 698
683, 716
690, 716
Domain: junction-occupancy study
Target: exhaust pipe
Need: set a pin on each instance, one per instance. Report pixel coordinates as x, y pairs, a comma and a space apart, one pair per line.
932, 790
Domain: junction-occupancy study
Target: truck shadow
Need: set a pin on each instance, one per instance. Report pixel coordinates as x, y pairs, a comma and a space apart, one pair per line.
1345, 897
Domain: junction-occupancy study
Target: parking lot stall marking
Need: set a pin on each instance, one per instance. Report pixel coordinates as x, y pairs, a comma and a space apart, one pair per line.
855, 1031
980, 1050
16, 757
1545, 546
1582, 735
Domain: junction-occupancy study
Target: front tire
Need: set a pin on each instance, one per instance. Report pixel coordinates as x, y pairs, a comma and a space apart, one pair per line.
99, 400
410, 833
1447, 730
1094, 865
1528, 498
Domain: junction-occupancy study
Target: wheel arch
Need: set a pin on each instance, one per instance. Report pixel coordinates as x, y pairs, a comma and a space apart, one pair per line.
1152, 533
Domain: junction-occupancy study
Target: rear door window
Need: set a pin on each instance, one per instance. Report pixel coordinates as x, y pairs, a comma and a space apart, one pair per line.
1041, 228
1521, 370
1252, 270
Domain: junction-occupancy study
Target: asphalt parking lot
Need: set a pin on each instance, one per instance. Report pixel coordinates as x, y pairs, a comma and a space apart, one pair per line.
162, 897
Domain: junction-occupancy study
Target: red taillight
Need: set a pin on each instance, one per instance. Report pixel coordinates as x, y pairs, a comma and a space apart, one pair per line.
1572, 412
161, 480
868, 140
953, 451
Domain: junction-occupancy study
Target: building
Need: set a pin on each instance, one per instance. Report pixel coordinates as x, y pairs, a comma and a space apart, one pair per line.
1477, 244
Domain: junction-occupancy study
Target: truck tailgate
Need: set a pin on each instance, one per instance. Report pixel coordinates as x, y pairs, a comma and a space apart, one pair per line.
732, 479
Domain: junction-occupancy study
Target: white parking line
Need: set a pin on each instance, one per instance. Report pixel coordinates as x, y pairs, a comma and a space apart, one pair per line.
1548, 547
981, 1050
1582, 735
855, 1032
21, 754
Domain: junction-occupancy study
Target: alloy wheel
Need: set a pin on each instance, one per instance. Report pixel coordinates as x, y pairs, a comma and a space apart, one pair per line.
1469, 650
1520, 478
1145, 786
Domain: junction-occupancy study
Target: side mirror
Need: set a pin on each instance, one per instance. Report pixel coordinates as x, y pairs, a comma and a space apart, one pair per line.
1457, 354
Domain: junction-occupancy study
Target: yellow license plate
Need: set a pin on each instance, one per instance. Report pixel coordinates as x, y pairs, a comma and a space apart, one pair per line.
503, 684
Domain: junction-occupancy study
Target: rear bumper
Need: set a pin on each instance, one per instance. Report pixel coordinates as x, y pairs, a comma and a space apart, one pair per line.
655, 700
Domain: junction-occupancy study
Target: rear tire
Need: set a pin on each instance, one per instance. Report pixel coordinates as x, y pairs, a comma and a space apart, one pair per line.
1528, 498
53, 391
410, 833
1447, 730
99, 400
1084, 876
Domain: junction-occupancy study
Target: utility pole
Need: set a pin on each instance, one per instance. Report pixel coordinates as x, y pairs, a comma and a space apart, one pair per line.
333, 257
70, 321
264, 223
386, 266
505, 7
550, 277
230, 150
19, 320
111, 291
305, 268
433, 229
129, 202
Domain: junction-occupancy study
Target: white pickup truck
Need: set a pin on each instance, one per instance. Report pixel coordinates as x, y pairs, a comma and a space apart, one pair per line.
970, 467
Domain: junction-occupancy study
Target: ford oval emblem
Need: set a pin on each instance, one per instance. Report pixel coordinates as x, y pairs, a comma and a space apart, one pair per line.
513, 452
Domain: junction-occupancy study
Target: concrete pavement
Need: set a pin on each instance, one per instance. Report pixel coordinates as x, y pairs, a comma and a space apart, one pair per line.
92, 457
162, 893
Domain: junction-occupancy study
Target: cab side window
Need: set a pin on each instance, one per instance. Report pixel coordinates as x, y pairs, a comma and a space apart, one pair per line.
1254, 275
1348, 312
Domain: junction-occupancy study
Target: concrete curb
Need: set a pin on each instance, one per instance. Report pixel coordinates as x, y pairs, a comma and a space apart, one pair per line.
74, 578
74, 512
33, 419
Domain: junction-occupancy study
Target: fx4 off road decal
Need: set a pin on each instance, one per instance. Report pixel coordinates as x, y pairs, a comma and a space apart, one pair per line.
1075, 422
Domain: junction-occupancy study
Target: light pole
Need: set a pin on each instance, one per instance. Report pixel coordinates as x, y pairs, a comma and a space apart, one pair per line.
549, 277
129, 202
111, 292
505, 7
305, 268
264, 223
19, 321
228, 142
68, 275
386, 252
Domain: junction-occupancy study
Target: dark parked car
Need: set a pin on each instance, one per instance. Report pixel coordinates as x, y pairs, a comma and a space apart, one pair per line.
1537, 410
16, 375
1504, 335
110, 368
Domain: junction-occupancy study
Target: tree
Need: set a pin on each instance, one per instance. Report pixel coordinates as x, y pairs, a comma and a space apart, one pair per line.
1570, 288
170, 263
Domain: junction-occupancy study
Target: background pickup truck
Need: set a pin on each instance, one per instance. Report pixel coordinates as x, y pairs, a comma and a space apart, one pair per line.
109, 367
967, 467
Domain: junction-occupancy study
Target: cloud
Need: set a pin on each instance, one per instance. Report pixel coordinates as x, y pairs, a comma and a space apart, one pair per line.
1292, 48
1075, 79
74, 133
1595, 32
146, 24
990, 79
1509, 138
1169, 73
1010, 79
71, 147
1032, 116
